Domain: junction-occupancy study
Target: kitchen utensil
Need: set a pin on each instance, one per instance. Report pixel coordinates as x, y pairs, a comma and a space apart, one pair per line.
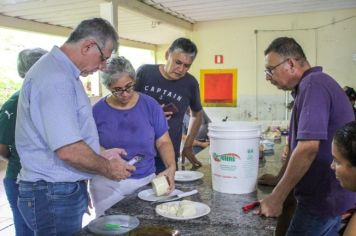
149, 195
113, 224
176, 197
250, 206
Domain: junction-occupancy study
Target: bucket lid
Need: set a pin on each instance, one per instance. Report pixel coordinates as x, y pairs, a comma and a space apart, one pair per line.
234, 125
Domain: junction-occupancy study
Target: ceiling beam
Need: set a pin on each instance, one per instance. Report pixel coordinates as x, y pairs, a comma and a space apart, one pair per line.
33, 26
154, 13
37, 27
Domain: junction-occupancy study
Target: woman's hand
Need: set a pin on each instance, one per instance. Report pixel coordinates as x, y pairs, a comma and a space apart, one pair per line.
169, 173
116, 153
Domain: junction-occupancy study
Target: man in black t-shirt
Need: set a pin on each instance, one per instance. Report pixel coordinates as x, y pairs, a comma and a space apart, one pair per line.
171, 83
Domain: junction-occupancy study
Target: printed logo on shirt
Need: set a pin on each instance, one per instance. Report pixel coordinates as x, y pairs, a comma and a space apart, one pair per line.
8, 114
162, 93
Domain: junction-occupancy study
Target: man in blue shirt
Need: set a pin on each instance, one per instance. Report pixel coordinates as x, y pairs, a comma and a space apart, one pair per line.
320, 108
56, 136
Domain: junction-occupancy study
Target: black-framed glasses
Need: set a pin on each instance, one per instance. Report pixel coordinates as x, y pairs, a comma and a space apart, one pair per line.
119, 91
269, 71
102, 57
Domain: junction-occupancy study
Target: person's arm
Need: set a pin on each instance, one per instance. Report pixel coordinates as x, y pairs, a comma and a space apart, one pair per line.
165, 148
197, 143
272, 180
194, 125
299, 163
351, 227
82, 157
4, 151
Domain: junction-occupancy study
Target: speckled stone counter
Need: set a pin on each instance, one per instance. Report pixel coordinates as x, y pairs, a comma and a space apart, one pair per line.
226, 216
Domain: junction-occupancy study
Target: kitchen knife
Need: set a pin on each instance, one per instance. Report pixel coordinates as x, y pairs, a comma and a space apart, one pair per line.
250, 206
176, 196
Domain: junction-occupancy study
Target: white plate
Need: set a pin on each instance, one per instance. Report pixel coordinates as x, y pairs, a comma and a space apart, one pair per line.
149, 195
187, 175
109, 225
201, 208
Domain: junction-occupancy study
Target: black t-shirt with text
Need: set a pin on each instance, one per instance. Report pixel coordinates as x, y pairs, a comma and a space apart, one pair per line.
183, 93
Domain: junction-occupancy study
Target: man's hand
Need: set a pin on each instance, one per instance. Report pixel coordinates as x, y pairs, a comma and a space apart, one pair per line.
203, 144
270, 206
268, 179
112, 153
169, 173
187, 152
119, 169
167, 114
285, 152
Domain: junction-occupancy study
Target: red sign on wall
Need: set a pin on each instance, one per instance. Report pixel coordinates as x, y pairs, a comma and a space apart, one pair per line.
219, 59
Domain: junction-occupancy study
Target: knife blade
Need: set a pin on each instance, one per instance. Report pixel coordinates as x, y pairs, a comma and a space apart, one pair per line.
176, 197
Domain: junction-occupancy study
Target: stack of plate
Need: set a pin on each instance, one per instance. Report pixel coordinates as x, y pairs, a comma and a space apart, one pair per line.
113, 224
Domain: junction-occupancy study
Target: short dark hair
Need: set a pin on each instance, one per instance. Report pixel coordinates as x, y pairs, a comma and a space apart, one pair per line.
185, 45
101, 30
286, 47
350, 92
345, 140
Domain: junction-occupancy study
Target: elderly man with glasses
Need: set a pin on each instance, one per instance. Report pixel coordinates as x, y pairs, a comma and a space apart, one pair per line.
56, 135
320, 108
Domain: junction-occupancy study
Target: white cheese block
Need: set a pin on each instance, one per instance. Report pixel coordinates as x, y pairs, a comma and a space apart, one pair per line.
169, 209
186, 208
160, 185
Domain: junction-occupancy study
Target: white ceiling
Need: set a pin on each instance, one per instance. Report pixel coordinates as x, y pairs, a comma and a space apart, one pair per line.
139, 20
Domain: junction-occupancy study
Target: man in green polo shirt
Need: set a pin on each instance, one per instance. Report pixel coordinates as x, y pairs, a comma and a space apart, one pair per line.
25, 60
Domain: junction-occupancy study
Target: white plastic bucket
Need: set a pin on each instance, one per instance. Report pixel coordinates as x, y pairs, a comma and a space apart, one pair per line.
234, 152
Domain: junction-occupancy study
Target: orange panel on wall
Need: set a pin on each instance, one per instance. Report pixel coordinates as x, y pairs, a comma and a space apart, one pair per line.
218, 87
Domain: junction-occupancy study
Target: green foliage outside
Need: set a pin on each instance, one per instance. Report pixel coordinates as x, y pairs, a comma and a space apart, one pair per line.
7, 89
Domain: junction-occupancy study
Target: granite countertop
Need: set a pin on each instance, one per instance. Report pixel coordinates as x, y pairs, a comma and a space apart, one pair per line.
226, 216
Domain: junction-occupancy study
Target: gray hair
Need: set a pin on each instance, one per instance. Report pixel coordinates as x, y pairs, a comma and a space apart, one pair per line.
184, 45
287, 47
116, 66
27, 58
99, 29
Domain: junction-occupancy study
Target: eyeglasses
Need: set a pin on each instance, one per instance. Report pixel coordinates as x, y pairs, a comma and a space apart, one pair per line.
120, 91
269, 71
102, 57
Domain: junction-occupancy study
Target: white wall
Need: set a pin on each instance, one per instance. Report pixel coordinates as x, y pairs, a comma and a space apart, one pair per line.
328, 39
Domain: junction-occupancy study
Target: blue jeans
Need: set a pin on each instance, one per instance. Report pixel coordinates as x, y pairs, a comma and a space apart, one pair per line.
307, 224
53, 208
12, 192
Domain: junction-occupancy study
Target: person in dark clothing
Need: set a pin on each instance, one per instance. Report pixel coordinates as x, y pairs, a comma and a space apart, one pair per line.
351, 94
344, 165
172, 84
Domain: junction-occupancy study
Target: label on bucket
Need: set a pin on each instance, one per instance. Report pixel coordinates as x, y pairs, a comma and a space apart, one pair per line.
230, 161
226, 161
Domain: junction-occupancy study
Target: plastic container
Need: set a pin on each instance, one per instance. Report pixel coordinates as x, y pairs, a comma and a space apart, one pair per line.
234, 152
